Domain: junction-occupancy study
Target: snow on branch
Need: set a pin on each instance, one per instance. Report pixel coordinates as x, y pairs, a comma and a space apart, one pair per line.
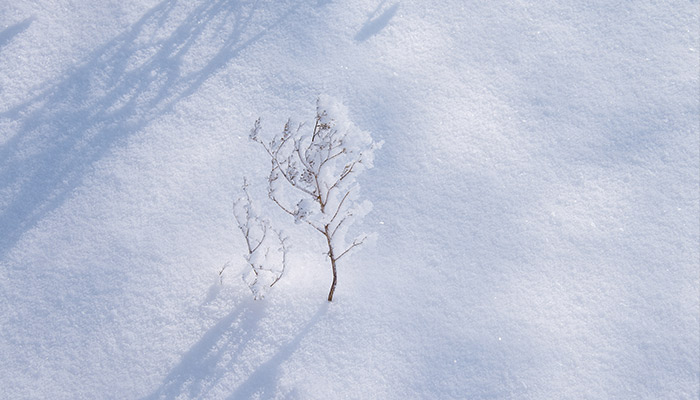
313, 174
267, 247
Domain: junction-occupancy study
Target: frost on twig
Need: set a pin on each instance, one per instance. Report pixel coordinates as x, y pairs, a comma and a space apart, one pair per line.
313, 175
267, 247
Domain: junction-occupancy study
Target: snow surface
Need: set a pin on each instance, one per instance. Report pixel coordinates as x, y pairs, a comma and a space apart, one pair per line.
536, 200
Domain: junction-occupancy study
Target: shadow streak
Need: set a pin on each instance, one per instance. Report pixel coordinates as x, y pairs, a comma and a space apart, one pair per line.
374, 25
14, 30
262, 383
219, 353
199, 369
134, 79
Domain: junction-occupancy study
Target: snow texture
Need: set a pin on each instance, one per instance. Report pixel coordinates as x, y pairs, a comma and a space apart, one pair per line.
536, 200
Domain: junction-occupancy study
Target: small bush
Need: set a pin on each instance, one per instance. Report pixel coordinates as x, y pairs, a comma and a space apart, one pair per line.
313, 175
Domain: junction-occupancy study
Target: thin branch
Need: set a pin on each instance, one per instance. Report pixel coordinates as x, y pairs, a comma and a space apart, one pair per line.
316, 195
273, 198
339, 206
276, 164
293, 214
330, 158
313, 135
264, 229
354, 244
221, 272
339, 223
346, 172
284, 258
297, 149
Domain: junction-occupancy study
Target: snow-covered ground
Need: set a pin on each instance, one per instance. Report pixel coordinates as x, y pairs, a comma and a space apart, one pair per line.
536, 200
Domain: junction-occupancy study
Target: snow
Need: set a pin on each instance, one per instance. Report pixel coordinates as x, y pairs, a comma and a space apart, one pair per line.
536, 200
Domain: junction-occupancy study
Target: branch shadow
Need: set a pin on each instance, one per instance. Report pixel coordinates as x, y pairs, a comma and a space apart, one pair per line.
14, 30
374, 23
199, 370
210, 361
262, 383
122, 87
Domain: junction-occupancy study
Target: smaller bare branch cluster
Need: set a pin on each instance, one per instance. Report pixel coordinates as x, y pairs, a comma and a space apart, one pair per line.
267, 247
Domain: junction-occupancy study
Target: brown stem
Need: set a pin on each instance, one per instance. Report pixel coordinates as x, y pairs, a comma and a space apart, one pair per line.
333, 259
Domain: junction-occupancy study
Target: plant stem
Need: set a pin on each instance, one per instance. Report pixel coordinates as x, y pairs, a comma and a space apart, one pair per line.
333, 259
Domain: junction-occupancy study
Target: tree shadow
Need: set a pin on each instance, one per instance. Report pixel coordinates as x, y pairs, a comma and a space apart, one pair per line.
375, 23
199, 370
14, 30
262, 383
134, 79
203, 367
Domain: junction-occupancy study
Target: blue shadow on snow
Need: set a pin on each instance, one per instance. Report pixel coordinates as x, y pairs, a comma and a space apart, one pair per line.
203, 367
14, 30
375, 24
123, 86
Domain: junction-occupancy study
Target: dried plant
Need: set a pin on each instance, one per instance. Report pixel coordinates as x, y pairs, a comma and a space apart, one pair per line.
267, 247
313, 175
